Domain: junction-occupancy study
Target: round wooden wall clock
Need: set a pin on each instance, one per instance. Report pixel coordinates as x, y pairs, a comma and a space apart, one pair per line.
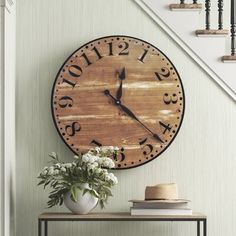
118, 91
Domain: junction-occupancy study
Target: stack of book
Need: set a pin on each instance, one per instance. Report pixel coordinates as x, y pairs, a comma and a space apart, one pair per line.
160, 207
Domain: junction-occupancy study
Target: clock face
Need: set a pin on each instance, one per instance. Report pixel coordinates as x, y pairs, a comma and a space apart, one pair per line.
118, 91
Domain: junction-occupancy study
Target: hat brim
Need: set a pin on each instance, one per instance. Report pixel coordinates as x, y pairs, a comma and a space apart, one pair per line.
161, 200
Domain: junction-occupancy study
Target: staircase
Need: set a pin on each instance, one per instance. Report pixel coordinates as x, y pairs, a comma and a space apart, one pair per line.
189, 24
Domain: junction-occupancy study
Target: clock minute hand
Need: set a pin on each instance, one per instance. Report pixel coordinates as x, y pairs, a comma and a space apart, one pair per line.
119, 91
132, 115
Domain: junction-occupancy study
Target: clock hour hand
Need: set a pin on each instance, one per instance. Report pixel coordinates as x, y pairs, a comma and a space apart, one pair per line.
119, 91
132, 115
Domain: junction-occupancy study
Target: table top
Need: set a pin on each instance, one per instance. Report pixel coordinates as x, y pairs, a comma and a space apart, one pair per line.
116, 216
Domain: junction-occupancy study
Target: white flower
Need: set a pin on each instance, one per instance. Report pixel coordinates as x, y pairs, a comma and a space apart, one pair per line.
98, 170
92, 159
92, 166
100, 160
58, 165
95, 164
112, 177
68, 165
107, 162
115, 180
104, 171
111, 148
97, 149
89, 158
76, 157
63, 169
56, 172
86, 157
51, 170
104, 149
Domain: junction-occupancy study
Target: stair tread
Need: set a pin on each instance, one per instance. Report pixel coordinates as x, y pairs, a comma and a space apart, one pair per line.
229, 58
186, 6
212, 32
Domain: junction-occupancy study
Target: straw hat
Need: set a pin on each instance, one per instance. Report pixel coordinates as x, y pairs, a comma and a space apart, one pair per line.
162, 192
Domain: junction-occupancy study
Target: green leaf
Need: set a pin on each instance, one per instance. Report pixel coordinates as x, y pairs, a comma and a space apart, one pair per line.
107, 191
102, 204
94, 193
61, 201
53, 155
41, 182
74, 195
46, 183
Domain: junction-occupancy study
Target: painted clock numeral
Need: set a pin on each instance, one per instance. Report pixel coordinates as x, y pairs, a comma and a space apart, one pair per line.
69, 82
164, 73
168, 99
120, 156
73, 128
166, 127
86, 59
125, 47
99, 56
110, 49
65, 101
146, 147
96, 143
141, 58
75, 71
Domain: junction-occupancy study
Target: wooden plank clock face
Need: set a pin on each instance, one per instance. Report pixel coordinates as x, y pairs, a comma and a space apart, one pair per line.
118, 91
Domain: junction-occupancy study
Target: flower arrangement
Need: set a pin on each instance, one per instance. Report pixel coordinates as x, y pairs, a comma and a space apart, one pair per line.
90, 168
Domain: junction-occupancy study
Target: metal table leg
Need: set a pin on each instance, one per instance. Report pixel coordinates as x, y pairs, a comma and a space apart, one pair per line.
39, 228
45, 228
205, 228
198, 227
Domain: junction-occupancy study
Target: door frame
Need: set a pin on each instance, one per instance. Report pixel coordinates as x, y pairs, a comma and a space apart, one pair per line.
7, 117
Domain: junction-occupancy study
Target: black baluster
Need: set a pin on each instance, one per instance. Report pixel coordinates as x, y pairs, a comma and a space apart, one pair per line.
233, 26
181, 1
208, 5
194, 1
220, 16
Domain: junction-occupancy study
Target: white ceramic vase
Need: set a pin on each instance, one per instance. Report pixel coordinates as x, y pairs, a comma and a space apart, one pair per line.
85, 203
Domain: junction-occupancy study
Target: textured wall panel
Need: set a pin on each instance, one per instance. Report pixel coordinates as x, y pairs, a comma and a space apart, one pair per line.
201, 159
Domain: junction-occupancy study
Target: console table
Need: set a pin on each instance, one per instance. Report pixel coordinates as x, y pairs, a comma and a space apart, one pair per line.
44, 218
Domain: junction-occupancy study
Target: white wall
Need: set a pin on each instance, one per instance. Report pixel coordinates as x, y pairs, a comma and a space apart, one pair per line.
201, 159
